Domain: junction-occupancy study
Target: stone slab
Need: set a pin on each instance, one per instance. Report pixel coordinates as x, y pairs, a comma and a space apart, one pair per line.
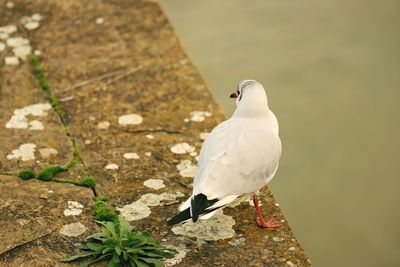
31, 216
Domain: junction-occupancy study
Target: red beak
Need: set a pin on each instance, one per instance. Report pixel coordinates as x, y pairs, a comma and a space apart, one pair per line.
233, 95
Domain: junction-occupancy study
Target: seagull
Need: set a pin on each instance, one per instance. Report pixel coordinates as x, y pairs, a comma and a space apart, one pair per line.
238, 158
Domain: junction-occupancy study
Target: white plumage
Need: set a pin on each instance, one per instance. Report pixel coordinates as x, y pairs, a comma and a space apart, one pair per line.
240, 155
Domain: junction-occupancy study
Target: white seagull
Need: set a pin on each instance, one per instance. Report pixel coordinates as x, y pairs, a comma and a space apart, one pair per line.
238, 158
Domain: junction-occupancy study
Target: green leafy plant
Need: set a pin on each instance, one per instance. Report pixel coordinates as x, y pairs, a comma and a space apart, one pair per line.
121, 246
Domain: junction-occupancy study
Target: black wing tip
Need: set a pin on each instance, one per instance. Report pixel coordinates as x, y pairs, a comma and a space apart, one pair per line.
180, 217
199, 205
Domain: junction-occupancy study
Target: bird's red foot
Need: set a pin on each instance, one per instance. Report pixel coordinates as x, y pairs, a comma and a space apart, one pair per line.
271, 223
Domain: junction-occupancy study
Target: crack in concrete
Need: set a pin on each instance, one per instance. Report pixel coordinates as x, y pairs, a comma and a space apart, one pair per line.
167, 131
40, 75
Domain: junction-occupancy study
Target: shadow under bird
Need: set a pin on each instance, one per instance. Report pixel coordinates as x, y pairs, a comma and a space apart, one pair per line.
238, 158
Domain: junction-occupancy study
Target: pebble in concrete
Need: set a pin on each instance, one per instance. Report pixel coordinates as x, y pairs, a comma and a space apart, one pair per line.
2, 47
104, 125
10, 4
25, 152
130, 119
220, 226
131, 156
111, 166
154, 184
182, 148
73, 229
19, 120
99, 20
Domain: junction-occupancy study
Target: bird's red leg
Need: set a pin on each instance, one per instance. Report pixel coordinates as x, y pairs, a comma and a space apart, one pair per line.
271, 223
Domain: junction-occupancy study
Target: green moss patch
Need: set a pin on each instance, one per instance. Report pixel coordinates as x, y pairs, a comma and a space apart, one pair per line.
26, 174
48, 173
103, 211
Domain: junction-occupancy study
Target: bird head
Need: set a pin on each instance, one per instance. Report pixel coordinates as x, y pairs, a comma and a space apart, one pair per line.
250, 97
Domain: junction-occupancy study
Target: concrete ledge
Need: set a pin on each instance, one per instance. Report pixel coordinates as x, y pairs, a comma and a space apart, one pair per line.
129, 93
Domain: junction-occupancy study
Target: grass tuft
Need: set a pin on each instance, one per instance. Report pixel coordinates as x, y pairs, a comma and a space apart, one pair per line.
120, 246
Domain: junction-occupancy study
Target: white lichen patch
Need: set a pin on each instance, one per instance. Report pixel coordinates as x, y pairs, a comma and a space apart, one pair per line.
148, 154
141, 208
47, 152
135, 211
203, 135
104, 125
182, 148
5, 31
150, 136
73, 229
111, 166
22, 51
182, 251
220, 226
199, 116
25, 152
237, 242
186, 168
17, 41
130, 119
11, 61
131, 156
36, 125
19, 120
32, 25
74, 208
193, 154
154, 184
32, 22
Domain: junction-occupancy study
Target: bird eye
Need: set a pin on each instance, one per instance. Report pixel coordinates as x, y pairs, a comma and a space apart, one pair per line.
238, 92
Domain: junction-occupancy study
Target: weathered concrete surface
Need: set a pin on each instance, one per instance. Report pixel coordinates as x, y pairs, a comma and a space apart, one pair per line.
133, 63
19, 89
31, 216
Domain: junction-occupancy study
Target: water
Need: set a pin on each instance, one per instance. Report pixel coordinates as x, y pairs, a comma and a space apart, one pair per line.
331, 69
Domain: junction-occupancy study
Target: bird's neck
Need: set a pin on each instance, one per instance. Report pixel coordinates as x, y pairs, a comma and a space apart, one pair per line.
252, 105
